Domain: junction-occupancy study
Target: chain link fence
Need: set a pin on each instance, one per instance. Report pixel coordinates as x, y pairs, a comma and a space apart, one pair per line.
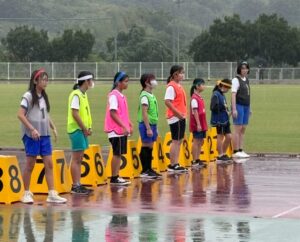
11, 71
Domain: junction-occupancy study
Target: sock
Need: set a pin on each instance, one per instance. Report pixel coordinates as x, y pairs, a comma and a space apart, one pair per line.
113, 178
235, 151
240, 150
149, 158
143, 158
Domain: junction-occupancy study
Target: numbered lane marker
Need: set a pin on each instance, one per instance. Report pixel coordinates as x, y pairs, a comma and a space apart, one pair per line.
130, 166
11, 182
92, 167
61, 176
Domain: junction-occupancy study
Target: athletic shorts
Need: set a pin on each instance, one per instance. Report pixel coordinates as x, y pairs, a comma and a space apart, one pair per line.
119, 145
199, 135
243, 113
79, 141
143, 133
223, 129
177, 130
41, 147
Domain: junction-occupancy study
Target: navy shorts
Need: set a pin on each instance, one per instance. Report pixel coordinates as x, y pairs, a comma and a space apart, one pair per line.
41, 147
223, 129
119, 145
143, 133
199, 135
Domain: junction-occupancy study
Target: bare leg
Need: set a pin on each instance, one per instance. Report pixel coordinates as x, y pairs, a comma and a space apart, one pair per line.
76, 166
226, 142
174, 151
115, 165
49, 171
30, 162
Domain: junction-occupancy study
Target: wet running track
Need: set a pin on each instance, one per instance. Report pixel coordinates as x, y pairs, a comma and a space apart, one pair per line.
258, 200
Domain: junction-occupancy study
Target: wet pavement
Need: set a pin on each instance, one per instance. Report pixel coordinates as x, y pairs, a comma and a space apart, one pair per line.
258, 200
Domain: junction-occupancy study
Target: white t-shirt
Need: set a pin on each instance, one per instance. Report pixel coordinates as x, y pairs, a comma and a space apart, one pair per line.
113, 105
75, 102
144, 101
170, 95
235, 85
194, 103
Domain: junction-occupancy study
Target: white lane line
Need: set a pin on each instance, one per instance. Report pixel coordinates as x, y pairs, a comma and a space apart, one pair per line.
286, 212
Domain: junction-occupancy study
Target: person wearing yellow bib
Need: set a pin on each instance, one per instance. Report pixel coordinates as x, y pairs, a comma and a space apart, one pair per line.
79, 127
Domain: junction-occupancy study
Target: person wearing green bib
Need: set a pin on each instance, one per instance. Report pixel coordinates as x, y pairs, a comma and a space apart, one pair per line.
79, 127
148, 118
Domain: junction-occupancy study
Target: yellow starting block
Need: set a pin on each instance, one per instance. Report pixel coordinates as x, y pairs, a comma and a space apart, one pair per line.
158, 158
92, 167
11, 182
61, 176
185, 156
130, 166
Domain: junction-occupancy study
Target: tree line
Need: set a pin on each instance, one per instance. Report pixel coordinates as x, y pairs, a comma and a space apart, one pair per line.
268, 40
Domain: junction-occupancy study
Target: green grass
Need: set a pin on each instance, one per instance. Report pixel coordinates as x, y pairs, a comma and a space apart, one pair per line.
274, 125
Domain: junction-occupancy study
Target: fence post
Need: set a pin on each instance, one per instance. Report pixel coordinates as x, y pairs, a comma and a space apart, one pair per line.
208, 70
52, 70
118, 66
30, 71
140, 69
162, 70
8, 71
96, 70
187, 70
74, 70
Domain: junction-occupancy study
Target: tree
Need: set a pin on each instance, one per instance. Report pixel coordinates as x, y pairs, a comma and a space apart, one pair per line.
72, 46
269, 38
136, 45
224, 41
26, 44
274, 40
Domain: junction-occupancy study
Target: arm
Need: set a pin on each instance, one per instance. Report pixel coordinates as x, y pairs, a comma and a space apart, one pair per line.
196, 115
22, 117
146, 120
233, 105
52, 126
214, 104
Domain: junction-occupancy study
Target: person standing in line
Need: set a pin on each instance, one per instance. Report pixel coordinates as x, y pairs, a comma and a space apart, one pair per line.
198, 124
240, 102
117, 125
79, 127
175, 101
36, 123
148, 118
220, 119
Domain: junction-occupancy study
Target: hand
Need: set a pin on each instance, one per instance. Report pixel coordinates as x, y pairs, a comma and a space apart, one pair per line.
126, 131
181, 116
234, 113
90, 132
35, 134
149, 132
199, 128
86, 132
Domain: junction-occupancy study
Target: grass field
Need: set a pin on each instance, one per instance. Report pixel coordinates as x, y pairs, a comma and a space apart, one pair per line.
274, 125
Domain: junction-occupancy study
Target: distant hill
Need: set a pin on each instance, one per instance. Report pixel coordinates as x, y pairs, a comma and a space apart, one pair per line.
161, 18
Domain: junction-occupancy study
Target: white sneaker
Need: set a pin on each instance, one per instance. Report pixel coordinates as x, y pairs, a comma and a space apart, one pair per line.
27, 197
244, 154
239, 154
53, 197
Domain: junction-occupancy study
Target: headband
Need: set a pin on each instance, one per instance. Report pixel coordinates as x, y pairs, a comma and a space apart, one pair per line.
38, 73
83, 78
120, 76
223, 83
